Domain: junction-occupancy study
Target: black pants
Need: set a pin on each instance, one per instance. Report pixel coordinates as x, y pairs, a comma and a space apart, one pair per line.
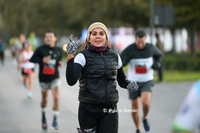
104, 122
2, 56
160, 71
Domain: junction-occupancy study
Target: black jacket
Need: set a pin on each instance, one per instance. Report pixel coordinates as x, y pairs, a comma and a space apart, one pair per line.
98, 77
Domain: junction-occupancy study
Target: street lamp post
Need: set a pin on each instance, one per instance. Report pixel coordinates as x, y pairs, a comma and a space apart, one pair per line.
151, 20
25, 19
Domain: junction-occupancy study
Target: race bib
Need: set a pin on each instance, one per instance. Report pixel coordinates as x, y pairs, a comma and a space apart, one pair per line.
140, 69
27, 70
48, 71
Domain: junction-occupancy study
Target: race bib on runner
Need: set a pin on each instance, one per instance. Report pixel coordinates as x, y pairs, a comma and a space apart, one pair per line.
140, 69
48, 71
27, 70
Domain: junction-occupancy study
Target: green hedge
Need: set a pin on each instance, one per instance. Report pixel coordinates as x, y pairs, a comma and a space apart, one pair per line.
64, 55
182, 62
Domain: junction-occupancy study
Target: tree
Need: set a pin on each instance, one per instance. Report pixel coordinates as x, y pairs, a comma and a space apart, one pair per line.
66, 17
126, 12
187, 15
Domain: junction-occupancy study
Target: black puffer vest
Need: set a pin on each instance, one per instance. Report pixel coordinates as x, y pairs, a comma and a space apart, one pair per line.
98, 77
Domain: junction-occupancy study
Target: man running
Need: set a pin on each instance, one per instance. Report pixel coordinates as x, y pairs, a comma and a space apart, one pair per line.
21, 42
49, 58
14, 47
187, 120
140, 56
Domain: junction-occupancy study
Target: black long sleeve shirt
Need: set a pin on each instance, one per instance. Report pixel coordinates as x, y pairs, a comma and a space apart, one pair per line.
55, 54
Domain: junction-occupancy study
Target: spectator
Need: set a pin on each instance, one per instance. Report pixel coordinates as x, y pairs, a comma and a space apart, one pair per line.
159, 45
2, 51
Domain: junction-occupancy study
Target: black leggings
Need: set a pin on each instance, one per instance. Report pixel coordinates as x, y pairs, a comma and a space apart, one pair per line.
104, 122
2, 56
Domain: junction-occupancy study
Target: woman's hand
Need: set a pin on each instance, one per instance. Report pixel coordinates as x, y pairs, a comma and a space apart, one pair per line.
132, 86
72, 46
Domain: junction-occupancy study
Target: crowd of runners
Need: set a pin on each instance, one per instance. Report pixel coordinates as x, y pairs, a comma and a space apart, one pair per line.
98, 69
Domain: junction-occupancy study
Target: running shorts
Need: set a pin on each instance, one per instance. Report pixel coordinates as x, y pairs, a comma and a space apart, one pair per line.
48, 85
143, 86
27, 71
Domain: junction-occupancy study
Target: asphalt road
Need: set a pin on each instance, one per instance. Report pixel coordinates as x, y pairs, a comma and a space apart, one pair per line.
18, 114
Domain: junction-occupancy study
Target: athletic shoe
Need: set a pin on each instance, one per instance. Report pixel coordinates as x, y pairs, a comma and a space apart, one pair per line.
54, 125
44, 124
138, 131
26, 86
146, 125
29, 95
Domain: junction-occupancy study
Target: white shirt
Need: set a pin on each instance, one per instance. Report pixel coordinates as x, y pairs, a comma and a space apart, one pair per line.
80, 59
28, 64
140, 70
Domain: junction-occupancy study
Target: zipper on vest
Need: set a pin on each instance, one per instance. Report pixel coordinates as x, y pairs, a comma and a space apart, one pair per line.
104, 76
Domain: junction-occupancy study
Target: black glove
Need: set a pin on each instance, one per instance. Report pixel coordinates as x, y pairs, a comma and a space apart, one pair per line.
155, 66
72, 46
132, 85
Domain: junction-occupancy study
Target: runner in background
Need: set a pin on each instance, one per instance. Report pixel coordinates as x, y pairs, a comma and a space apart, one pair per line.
14, 47
21, 42
49, 57
142, 58
34, 40
27, 67
2, 47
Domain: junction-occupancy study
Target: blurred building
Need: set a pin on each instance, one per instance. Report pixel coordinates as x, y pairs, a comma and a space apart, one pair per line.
123, 36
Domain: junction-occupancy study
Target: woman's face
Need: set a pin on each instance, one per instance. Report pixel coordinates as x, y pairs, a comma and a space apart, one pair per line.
98, 37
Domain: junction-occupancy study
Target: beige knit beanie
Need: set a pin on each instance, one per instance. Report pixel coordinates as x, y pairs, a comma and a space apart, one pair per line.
97, 25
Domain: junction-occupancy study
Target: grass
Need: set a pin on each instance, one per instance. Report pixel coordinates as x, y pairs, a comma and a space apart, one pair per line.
175, 76
178, 76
